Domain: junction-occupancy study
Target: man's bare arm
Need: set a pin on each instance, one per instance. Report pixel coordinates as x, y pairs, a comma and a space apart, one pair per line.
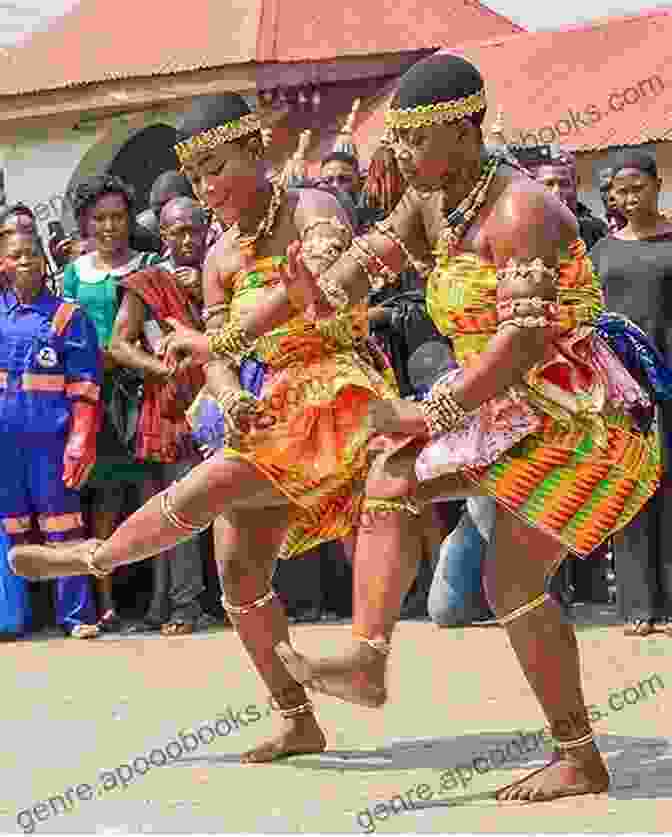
126, 334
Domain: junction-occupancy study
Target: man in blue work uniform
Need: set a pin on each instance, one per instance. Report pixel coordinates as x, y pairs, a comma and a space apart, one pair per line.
50, 376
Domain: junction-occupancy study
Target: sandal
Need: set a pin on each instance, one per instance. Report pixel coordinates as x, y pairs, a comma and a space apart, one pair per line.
639, 627
84, 631
177, 628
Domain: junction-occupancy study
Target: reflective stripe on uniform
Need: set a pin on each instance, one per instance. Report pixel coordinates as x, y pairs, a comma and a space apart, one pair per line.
60, 522
16, 525
32, 382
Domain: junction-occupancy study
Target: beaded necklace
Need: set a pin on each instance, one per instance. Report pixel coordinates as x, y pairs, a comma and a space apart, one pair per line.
457, 221
247, 243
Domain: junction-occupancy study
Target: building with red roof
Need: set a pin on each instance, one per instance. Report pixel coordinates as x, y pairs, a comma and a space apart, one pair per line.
592, 88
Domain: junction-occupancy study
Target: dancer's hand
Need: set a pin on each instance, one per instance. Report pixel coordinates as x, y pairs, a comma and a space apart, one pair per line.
392, 416
183, 347
299, 282
301, 285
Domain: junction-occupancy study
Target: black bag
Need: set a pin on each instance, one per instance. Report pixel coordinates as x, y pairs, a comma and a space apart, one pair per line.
122, 411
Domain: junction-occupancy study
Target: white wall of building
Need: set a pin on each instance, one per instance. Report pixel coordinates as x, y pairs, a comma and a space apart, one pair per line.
41, 165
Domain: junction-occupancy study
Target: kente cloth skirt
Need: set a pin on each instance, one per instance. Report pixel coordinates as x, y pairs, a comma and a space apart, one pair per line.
579, 470
315, 451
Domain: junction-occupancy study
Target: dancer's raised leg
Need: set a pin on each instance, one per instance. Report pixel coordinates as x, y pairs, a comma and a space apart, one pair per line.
168, 518
245, 554
547, 650
388, 549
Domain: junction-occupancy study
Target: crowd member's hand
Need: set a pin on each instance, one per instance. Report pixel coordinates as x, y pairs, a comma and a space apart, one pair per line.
109, 363
379, 315
79, 456
183, 347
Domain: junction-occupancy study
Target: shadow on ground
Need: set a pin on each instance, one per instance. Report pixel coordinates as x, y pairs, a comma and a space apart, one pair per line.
641, 768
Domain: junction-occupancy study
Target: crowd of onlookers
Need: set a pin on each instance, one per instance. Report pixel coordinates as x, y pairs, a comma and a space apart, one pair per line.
76, 386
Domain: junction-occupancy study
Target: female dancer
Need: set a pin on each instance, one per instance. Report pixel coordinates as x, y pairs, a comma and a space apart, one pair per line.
296, 479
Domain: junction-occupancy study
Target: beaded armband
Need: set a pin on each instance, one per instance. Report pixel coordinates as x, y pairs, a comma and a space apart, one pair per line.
230, 343
235, 404
531, 275
442, 412
526, 312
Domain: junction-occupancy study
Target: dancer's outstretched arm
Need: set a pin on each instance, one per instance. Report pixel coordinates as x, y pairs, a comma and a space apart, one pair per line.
374, 255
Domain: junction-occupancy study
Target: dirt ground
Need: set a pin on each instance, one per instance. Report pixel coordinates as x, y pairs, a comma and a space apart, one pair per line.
76, 712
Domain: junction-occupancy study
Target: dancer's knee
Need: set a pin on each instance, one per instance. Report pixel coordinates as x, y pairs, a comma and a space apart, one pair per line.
236, 573
520, 561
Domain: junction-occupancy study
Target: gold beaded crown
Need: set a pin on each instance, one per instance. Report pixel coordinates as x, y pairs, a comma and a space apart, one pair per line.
424, 116
207, 140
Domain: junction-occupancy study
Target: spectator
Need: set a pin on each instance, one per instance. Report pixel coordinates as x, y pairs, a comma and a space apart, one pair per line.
49, 417
635, 266
559, 176
615, 219
166, 187
170, 289
104, 211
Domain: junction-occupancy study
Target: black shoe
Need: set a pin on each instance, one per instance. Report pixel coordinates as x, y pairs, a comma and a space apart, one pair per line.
142, 626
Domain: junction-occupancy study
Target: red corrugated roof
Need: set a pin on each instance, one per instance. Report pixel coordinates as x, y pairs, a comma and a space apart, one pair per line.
102, 40
313, 31
620, 69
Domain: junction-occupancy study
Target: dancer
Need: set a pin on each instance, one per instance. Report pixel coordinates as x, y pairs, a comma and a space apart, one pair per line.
542, 415
296, 478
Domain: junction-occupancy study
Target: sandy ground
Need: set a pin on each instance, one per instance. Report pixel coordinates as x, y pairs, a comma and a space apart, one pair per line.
75, 709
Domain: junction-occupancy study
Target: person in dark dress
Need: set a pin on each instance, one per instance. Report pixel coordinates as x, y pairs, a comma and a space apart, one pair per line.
635, 266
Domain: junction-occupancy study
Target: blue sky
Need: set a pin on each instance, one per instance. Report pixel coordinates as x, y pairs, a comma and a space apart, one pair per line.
17, 17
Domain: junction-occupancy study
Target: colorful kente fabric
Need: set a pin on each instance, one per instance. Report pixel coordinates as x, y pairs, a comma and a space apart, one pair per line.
590, 455
316, 390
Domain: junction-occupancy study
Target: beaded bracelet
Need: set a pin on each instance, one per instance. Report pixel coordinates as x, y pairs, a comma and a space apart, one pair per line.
441, 410
230, 342
335, 294
527, 312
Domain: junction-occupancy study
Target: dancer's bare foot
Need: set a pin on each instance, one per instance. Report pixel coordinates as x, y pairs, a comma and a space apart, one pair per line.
358, 677
301, 735
37, 562
567, 774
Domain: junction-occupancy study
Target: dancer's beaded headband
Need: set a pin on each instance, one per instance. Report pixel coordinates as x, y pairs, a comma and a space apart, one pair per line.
427, 115
214, 137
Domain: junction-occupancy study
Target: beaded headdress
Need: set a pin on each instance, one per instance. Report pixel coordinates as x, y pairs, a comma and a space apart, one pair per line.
442, 88
212, 121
